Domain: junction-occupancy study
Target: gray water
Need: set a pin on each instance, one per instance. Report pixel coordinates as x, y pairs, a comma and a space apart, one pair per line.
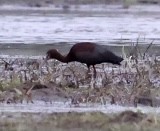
33, 31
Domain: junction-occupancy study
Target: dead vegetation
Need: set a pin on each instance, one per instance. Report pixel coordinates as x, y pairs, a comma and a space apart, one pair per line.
71, 121
137, 81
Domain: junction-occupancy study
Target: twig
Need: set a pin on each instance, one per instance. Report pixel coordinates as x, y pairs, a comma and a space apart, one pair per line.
147, 48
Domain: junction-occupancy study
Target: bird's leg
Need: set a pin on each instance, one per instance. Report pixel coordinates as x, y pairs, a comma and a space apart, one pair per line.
94, 71
88, 69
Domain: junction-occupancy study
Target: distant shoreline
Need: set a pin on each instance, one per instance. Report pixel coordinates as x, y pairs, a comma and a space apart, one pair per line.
101, 8
45, 3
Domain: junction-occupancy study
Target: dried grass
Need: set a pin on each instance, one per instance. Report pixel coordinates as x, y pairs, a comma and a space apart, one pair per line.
138, 77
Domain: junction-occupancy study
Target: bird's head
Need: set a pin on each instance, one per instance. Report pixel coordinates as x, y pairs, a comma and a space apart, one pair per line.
52, 54
114, 59
118, 60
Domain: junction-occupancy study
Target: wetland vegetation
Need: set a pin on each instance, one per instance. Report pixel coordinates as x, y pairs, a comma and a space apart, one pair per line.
135, 81
73, 121
28, 80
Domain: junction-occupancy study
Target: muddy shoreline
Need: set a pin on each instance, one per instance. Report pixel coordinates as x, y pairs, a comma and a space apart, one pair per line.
90, 9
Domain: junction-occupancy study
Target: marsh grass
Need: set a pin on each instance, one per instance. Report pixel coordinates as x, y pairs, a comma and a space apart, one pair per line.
137, 77
88, 121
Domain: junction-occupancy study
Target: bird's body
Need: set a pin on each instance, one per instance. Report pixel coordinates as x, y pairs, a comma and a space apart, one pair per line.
88, 53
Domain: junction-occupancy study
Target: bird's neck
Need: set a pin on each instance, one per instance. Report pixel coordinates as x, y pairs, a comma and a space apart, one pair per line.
62, 58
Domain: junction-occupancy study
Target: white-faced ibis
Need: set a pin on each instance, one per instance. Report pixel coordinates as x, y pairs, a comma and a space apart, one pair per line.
88, 53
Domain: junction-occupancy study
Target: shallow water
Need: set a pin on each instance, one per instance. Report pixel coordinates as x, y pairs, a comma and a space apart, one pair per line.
55, 28
42, 107
36, 30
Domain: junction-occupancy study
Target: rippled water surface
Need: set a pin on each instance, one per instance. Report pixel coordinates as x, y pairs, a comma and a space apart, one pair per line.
43, 28
62, 28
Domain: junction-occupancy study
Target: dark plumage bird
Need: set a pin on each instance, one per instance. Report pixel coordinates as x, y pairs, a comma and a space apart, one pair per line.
88, 53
